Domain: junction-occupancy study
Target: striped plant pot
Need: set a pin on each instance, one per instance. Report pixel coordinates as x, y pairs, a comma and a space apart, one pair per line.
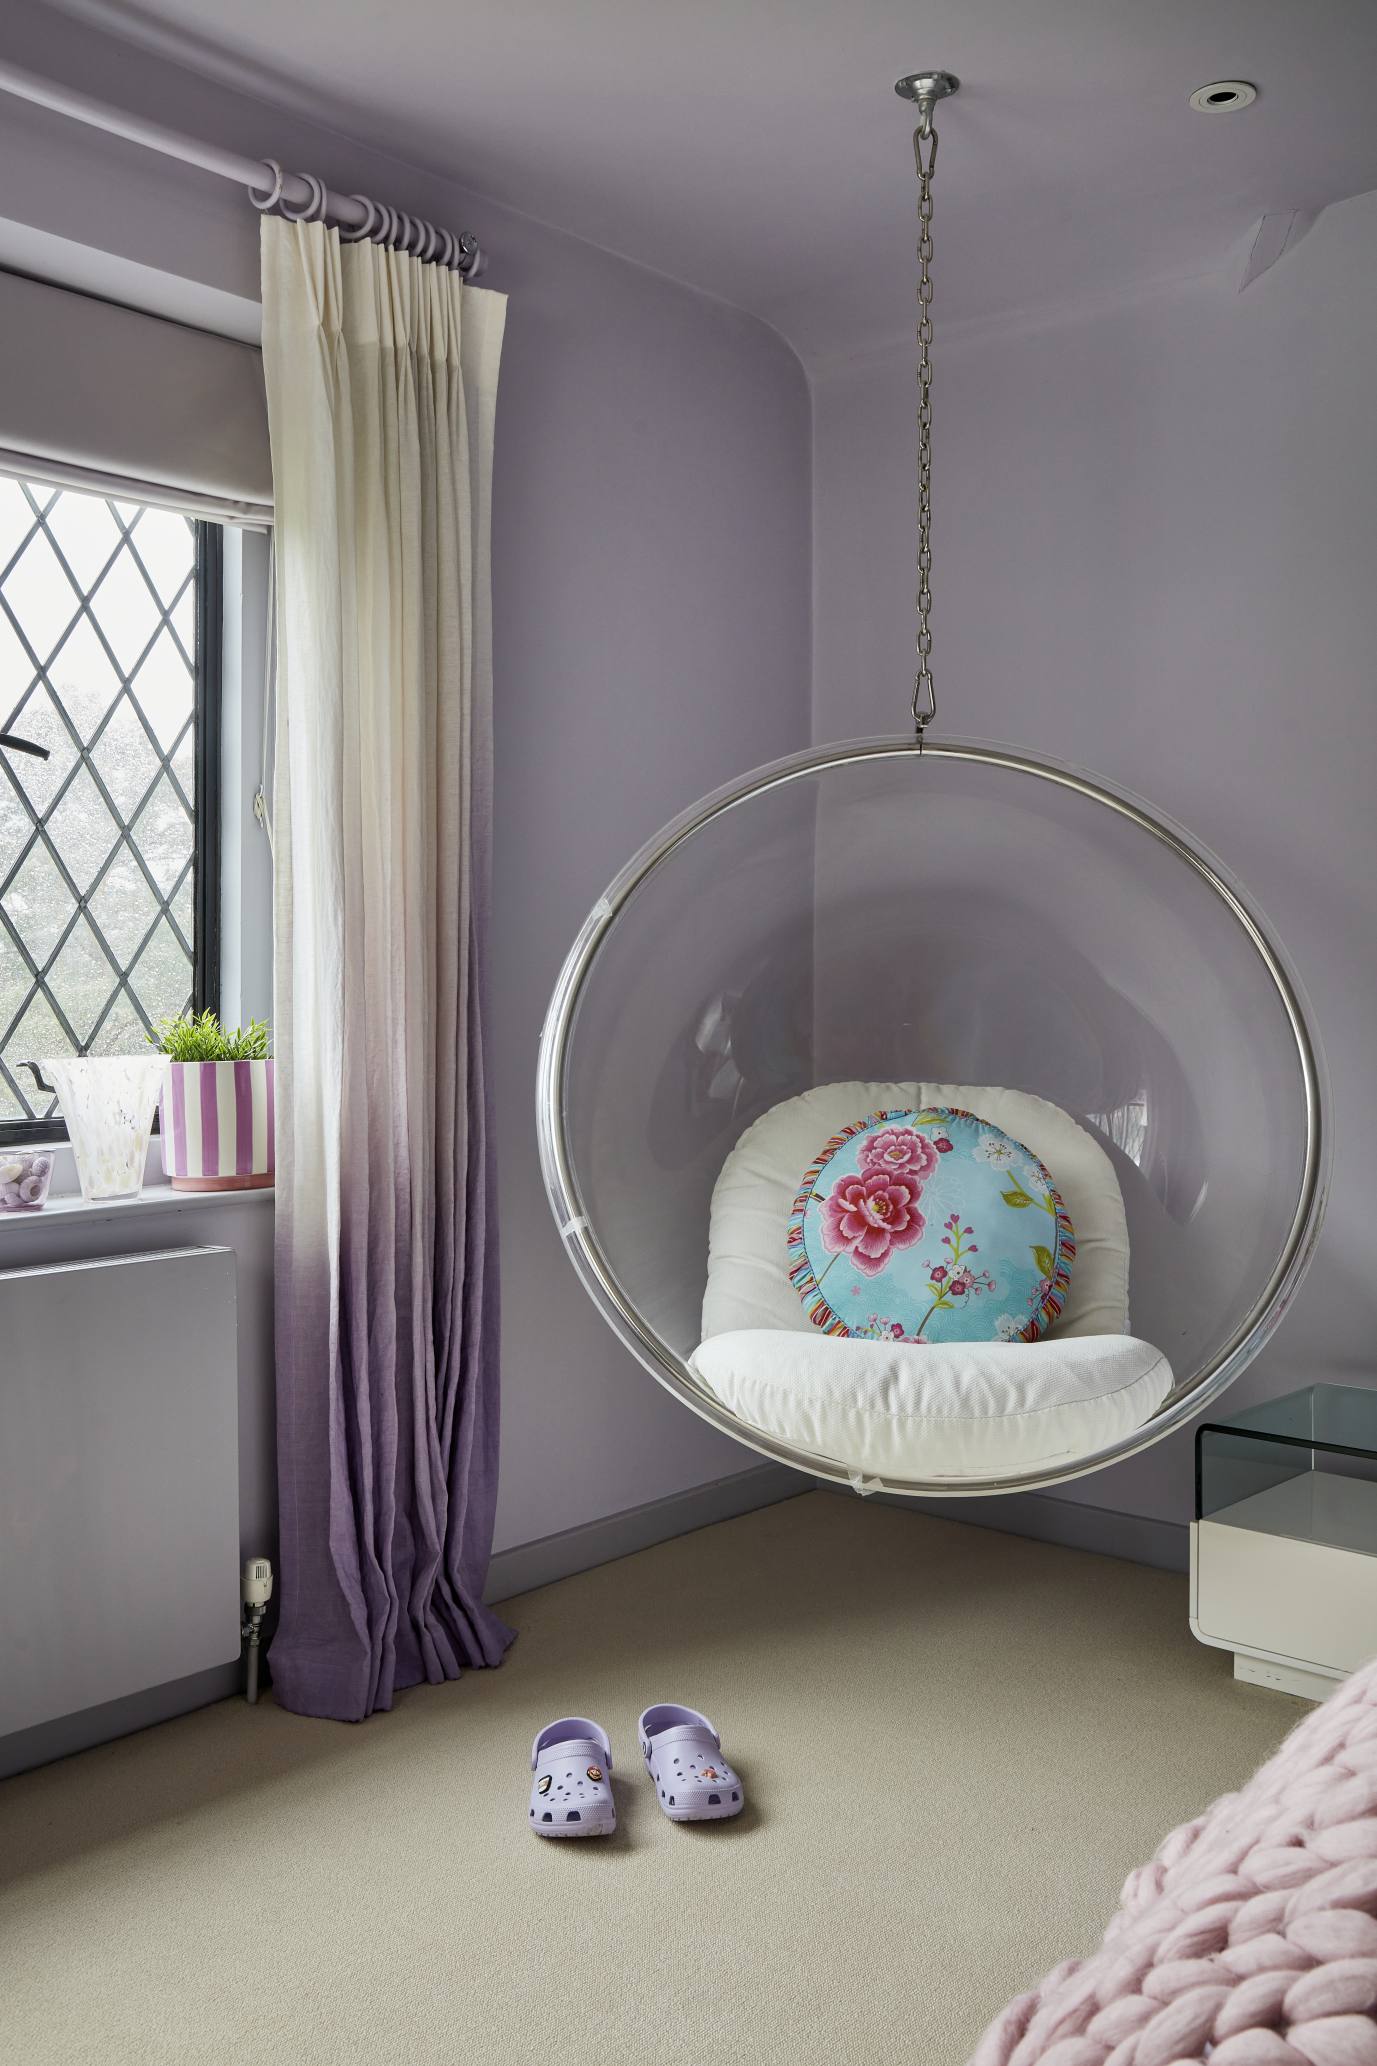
216, 1124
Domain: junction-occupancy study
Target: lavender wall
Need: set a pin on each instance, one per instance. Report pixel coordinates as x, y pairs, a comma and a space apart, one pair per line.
651, 558
652, 632
1154, 556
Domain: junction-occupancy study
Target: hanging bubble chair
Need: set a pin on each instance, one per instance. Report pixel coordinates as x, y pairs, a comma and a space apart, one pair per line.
870, 983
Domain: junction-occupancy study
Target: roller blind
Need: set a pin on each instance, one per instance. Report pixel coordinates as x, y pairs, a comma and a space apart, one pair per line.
97, 396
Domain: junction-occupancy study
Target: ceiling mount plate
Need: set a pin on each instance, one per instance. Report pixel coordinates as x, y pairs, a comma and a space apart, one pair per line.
1223, 96
926, 85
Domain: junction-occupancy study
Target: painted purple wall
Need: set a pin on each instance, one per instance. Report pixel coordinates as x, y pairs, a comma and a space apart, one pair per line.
651, 557
652, 628
1154, 543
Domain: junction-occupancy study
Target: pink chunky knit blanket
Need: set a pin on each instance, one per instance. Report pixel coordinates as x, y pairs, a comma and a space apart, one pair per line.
1251, 1938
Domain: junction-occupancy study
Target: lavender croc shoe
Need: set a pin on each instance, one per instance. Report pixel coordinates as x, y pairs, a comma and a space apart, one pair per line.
683, 1755
572, 1791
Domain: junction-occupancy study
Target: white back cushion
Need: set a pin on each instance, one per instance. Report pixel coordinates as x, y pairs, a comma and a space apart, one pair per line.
748, 1273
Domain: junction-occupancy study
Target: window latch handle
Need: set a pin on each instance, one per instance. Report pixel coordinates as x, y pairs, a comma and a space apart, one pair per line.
14, 744
48, 1089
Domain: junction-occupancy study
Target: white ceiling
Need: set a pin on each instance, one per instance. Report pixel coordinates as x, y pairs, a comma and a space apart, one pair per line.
756, 150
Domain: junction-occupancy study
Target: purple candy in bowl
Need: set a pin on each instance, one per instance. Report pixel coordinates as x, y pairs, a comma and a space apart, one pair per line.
24, 1179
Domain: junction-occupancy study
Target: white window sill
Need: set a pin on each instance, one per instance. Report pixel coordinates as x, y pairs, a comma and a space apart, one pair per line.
155, 1197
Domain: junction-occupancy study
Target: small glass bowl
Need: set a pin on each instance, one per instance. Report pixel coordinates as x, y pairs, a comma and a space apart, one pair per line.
25, 1175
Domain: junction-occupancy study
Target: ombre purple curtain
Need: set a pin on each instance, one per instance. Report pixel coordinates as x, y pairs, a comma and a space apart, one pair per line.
381, 376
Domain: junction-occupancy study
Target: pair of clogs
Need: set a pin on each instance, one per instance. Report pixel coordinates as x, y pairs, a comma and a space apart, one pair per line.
571, 1794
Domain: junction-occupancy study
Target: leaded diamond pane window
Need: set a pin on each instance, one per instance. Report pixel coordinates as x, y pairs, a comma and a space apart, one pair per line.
109, 640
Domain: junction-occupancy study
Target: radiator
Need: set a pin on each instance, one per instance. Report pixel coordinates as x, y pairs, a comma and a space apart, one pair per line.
119, 1478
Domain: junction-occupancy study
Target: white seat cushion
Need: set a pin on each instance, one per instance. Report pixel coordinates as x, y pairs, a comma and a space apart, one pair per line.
748, 1275
898, 1411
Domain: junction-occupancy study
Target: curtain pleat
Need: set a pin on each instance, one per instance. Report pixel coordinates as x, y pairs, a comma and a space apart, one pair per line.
382, 377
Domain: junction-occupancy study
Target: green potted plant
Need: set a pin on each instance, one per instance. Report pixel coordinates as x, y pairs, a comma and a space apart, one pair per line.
216, 1111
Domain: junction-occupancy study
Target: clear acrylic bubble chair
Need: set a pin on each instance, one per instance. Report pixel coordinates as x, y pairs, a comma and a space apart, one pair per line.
875, 916
900, 926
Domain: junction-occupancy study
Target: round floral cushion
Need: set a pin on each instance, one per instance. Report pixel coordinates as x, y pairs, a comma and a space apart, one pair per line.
930, 1226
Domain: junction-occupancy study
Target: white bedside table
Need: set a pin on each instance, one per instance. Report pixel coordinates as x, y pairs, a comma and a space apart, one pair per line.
1284, 1543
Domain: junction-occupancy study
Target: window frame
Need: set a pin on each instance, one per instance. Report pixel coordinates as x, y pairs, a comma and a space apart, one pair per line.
206, 863
207, 843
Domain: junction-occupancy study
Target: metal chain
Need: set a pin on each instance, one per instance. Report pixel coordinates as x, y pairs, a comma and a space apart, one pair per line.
924, 698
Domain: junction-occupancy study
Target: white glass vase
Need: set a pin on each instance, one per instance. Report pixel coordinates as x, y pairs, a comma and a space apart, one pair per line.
108, 1102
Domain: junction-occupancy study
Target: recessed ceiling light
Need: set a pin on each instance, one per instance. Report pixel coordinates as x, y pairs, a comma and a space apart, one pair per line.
1223, 96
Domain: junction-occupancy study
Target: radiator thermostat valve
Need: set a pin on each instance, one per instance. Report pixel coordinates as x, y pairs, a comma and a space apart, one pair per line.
255, 1590
257, 1587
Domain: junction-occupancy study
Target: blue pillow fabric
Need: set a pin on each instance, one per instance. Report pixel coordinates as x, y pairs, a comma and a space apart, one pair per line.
929, 1226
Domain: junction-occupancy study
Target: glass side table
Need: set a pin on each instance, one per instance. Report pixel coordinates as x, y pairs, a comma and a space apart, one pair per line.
1284, 1543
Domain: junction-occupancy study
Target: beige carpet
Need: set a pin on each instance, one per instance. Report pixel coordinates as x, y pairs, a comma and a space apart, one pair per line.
956, 1744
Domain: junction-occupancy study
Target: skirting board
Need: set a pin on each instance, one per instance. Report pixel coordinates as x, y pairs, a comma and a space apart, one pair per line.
512, 1571
529, 1564
25, 1748
1137, 1538
1040, 1515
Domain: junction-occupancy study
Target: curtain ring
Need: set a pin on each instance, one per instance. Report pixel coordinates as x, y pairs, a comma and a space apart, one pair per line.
310, 210
387, 224
415, 235
449, 250
432, 242
365, 230
263, 202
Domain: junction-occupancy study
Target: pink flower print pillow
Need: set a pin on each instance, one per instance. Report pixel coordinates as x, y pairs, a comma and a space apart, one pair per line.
929, 1226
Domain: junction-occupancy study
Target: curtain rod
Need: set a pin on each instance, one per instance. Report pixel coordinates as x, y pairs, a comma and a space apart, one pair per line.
299, 195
